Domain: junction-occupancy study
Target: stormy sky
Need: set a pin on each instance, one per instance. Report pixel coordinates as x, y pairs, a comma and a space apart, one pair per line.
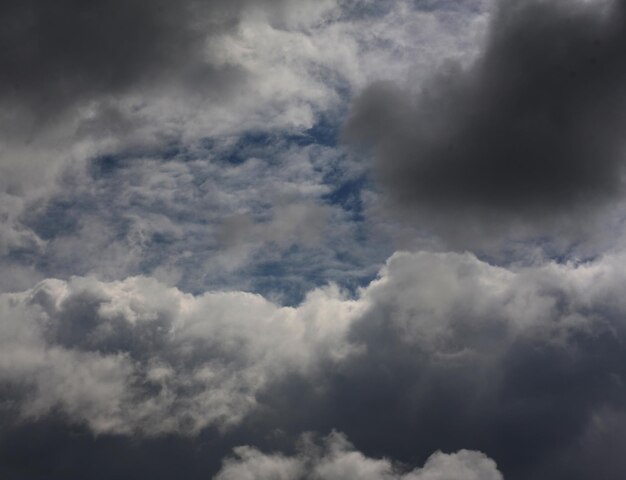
313, 239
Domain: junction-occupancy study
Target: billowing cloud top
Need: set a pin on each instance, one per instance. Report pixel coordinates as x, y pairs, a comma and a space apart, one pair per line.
139, 358
337, 460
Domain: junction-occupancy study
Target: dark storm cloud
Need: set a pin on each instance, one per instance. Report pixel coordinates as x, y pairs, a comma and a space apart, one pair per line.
55, 54
534, 127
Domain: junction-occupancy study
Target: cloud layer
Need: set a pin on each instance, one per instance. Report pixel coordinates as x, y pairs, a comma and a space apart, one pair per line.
479, 356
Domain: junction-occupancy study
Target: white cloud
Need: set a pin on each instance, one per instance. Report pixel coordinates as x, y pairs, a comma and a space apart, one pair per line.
136, 356
444, 302
337, 459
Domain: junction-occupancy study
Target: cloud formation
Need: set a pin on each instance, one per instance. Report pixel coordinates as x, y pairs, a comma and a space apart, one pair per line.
136, 357
159, 161
336, 459
529, 131
481, 357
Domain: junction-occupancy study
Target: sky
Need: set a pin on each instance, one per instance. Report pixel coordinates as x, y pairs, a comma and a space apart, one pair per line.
312, 239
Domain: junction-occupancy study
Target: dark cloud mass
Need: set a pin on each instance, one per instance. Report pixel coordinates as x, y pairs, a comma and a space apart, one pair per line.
55, 54
534, 127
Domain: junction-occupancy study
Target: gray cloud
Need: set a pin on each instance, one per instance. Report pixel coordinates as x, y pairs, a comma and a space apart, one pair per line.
55, 55
530, 131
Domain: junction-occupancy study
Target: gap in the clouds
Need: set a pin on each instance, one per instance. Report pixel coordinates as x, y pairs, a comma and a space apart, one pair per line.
347, 194
359, 10
55, 220
288, 280
162, 214
105, 165
469, 6
238, 213
325, 132
537, 251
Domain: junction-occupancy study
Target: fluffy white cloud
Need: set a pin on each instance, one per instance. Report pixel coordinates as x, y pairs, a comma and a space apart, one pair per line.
136, 356
337, 459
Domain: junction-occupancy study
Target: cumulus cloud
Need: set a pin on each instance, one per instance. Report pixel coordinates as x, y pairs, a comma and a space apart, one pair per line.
528, 134
336, 459
511, 362
139, 357
481, 357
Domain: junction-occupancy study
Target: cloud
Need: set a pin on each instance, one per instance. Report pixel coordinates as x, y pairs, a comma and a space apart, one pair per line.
336, 459
136, 357
185, 73
147, 183
73, 55
69, 52
481, 357
75, 75
526, 135
511, 362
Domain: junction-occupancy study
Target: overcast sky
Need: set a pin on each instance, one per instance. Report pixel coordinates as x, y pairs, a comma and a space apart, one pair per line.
312, 239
